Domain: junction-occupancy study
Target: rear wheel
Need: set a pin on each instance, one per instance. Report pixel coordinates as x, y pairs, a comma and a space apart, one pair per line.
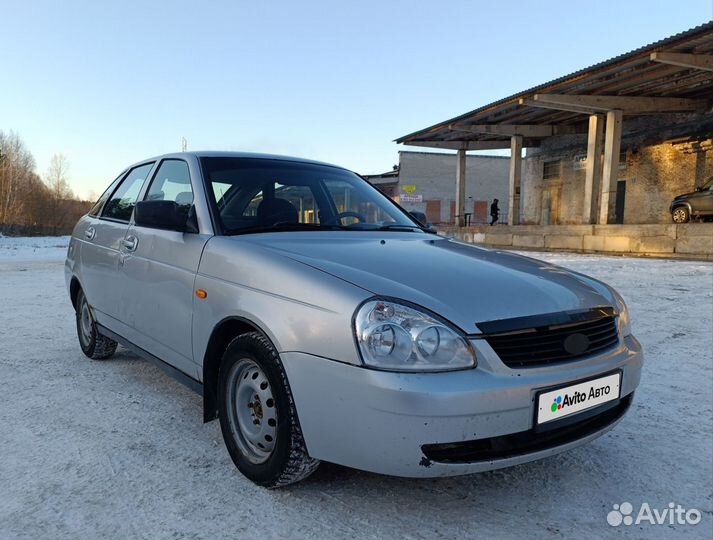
680, 214
257, 414
93, 344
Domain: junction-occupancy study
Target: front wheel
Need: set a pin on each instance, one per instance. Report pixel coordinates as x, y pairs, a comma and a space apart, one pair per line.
680, 215
257, 414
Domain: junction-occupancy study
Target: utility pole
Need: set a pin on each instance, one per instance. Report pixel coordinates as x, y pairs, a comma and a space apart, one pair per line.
184, 144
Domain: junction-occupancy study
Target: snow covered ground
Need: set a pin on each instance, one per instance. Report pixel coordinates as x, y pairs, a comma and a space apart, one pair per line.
117, 449
36, 248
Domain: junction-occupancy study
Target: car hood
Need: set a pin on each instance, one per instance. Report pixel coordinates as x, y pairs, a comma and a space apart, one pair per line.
463, 283
686, 195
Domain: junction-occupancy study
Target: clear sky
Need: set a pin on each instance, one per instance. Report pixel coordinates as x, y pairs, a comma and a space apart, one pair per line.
109, 83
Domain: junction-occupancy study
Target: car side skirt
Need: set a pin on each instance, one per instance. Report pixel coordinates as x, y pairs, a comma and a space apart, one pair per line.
177, 374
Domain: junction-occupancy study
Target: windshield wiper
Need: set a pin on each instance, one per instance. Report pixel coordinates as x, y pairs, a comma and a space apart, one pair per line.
404, 227
283, 227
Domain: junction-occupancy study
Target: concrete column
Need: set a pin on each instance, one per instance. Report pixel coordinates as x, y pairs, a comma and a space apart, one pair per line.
610, 172
515, 179
594, 169
460, 187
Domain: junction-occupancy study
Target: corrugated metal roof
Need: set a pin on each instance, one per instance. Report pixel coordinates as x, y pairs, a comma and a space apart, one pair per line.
697, 39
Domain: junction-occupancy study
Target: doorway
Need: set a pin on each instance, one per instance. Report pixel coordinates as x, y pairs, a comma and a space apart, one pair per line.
550, 206
620, 202
480, 211
433, 211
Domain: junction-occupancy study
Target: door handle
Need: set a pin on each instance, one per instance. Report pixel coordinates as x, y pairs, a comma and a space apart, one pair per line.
130, 243
90, 233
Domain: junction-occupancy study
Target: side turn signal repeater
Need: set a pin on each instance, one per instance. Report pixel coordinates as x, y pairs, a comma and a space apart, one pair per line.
200, 293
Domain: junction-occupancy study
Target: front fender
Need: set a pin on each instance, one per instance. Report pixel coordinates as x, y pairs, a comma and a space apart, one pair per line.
299, 308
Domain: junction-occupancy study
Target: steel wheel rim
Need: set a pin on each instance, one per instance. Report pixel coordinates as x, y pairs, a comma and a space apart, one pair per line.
251, 411
86, 323
679, 215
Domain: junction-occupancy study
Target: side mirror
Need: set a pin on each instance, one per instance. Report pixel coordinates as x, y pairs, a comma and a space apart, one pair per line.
165, 215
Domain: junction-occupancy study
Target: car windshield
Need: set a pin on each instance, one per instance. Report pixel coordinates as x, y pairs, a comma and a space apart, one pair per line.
259, 195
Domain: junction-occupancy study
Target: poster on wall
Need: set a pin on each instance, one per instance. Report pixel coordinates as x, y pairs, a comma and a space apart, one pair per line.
579, 162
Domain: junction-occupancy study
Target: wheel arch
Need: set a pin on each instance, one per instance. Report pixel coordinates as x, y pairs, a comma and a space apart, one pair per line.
74, 288
682, 203
223, 333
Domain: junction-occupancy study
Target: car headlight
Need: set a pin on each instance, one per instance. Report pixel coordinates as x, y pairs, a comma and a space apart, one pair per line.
623, 317
396, 337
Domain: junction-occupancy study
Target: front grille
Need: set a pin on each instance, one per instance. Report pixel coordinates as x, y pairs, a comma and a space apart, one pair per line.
527, 442
590, 333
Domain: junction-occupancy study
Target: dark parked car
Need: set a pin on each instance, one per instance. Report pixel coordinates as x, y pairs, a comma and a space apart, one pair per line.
697, 204
420, 217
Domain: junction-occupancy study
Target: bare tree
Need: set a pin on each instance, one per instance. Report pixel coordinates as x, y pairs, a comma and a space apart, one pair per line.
16, 169
28, 204
36, 199
57, 180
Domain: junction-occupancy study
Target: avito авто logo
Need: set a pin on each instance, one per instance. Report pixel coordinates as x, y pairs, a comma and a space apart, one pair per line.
560, 402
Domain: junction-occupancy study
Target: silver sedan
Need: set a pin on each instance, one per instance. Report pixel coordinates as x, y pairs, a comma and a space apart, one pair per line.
320, 321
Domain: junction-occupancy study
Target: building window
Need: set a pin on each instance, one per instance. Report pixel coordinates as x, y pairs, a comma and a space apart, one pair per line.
551, 170
579, 163
622, 160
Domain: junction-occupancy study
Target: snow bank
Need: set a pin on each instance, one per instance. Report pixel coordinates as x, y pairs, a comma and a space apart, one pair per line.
33, 248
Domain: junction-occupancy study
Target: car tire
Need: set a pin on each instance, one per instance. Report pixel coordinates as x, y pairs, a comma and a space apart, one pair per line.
258, 416
680, 214
94, 345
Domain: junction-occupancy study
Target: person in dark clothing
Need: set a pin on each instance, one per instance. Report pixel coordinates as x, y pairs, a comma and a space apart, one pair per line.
494, 212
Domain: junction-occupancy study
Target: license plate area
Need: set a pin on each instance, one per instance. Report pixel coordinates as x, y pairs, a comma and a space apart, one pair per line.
569, 400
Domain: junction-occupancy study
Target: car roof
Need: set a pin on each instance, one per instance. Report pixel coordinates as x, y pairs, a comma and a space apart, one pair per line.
226, 154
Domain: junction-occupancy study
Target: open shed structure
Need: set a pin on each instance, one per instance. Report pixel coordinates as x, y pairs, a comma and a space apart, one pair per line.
672, 77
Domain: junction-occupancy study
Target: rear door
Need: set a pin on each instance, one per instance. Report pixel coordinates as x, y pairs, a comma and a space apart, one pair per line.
159, 269
102, 238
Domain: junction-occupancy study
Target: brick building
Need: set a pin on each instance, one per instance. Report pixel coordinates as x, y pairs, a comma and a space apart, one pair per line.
660, 157
423, 181
612, 143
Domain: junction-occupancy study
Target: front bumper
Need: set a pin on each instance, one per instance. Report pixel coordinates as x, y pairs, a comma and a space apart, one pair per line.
380, 421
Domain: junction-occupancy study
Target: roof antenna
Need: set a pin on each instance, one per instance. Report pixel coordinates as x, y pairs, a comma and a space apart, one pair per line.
184, 144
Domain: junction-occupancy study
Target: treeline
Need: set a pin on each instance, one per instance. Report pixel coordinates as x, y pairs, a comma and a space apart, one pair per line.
29, 204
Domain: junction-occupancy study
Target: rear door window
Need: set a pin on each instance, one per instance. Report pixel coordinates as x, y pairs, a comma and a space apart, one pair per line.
105, 196
121, 204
